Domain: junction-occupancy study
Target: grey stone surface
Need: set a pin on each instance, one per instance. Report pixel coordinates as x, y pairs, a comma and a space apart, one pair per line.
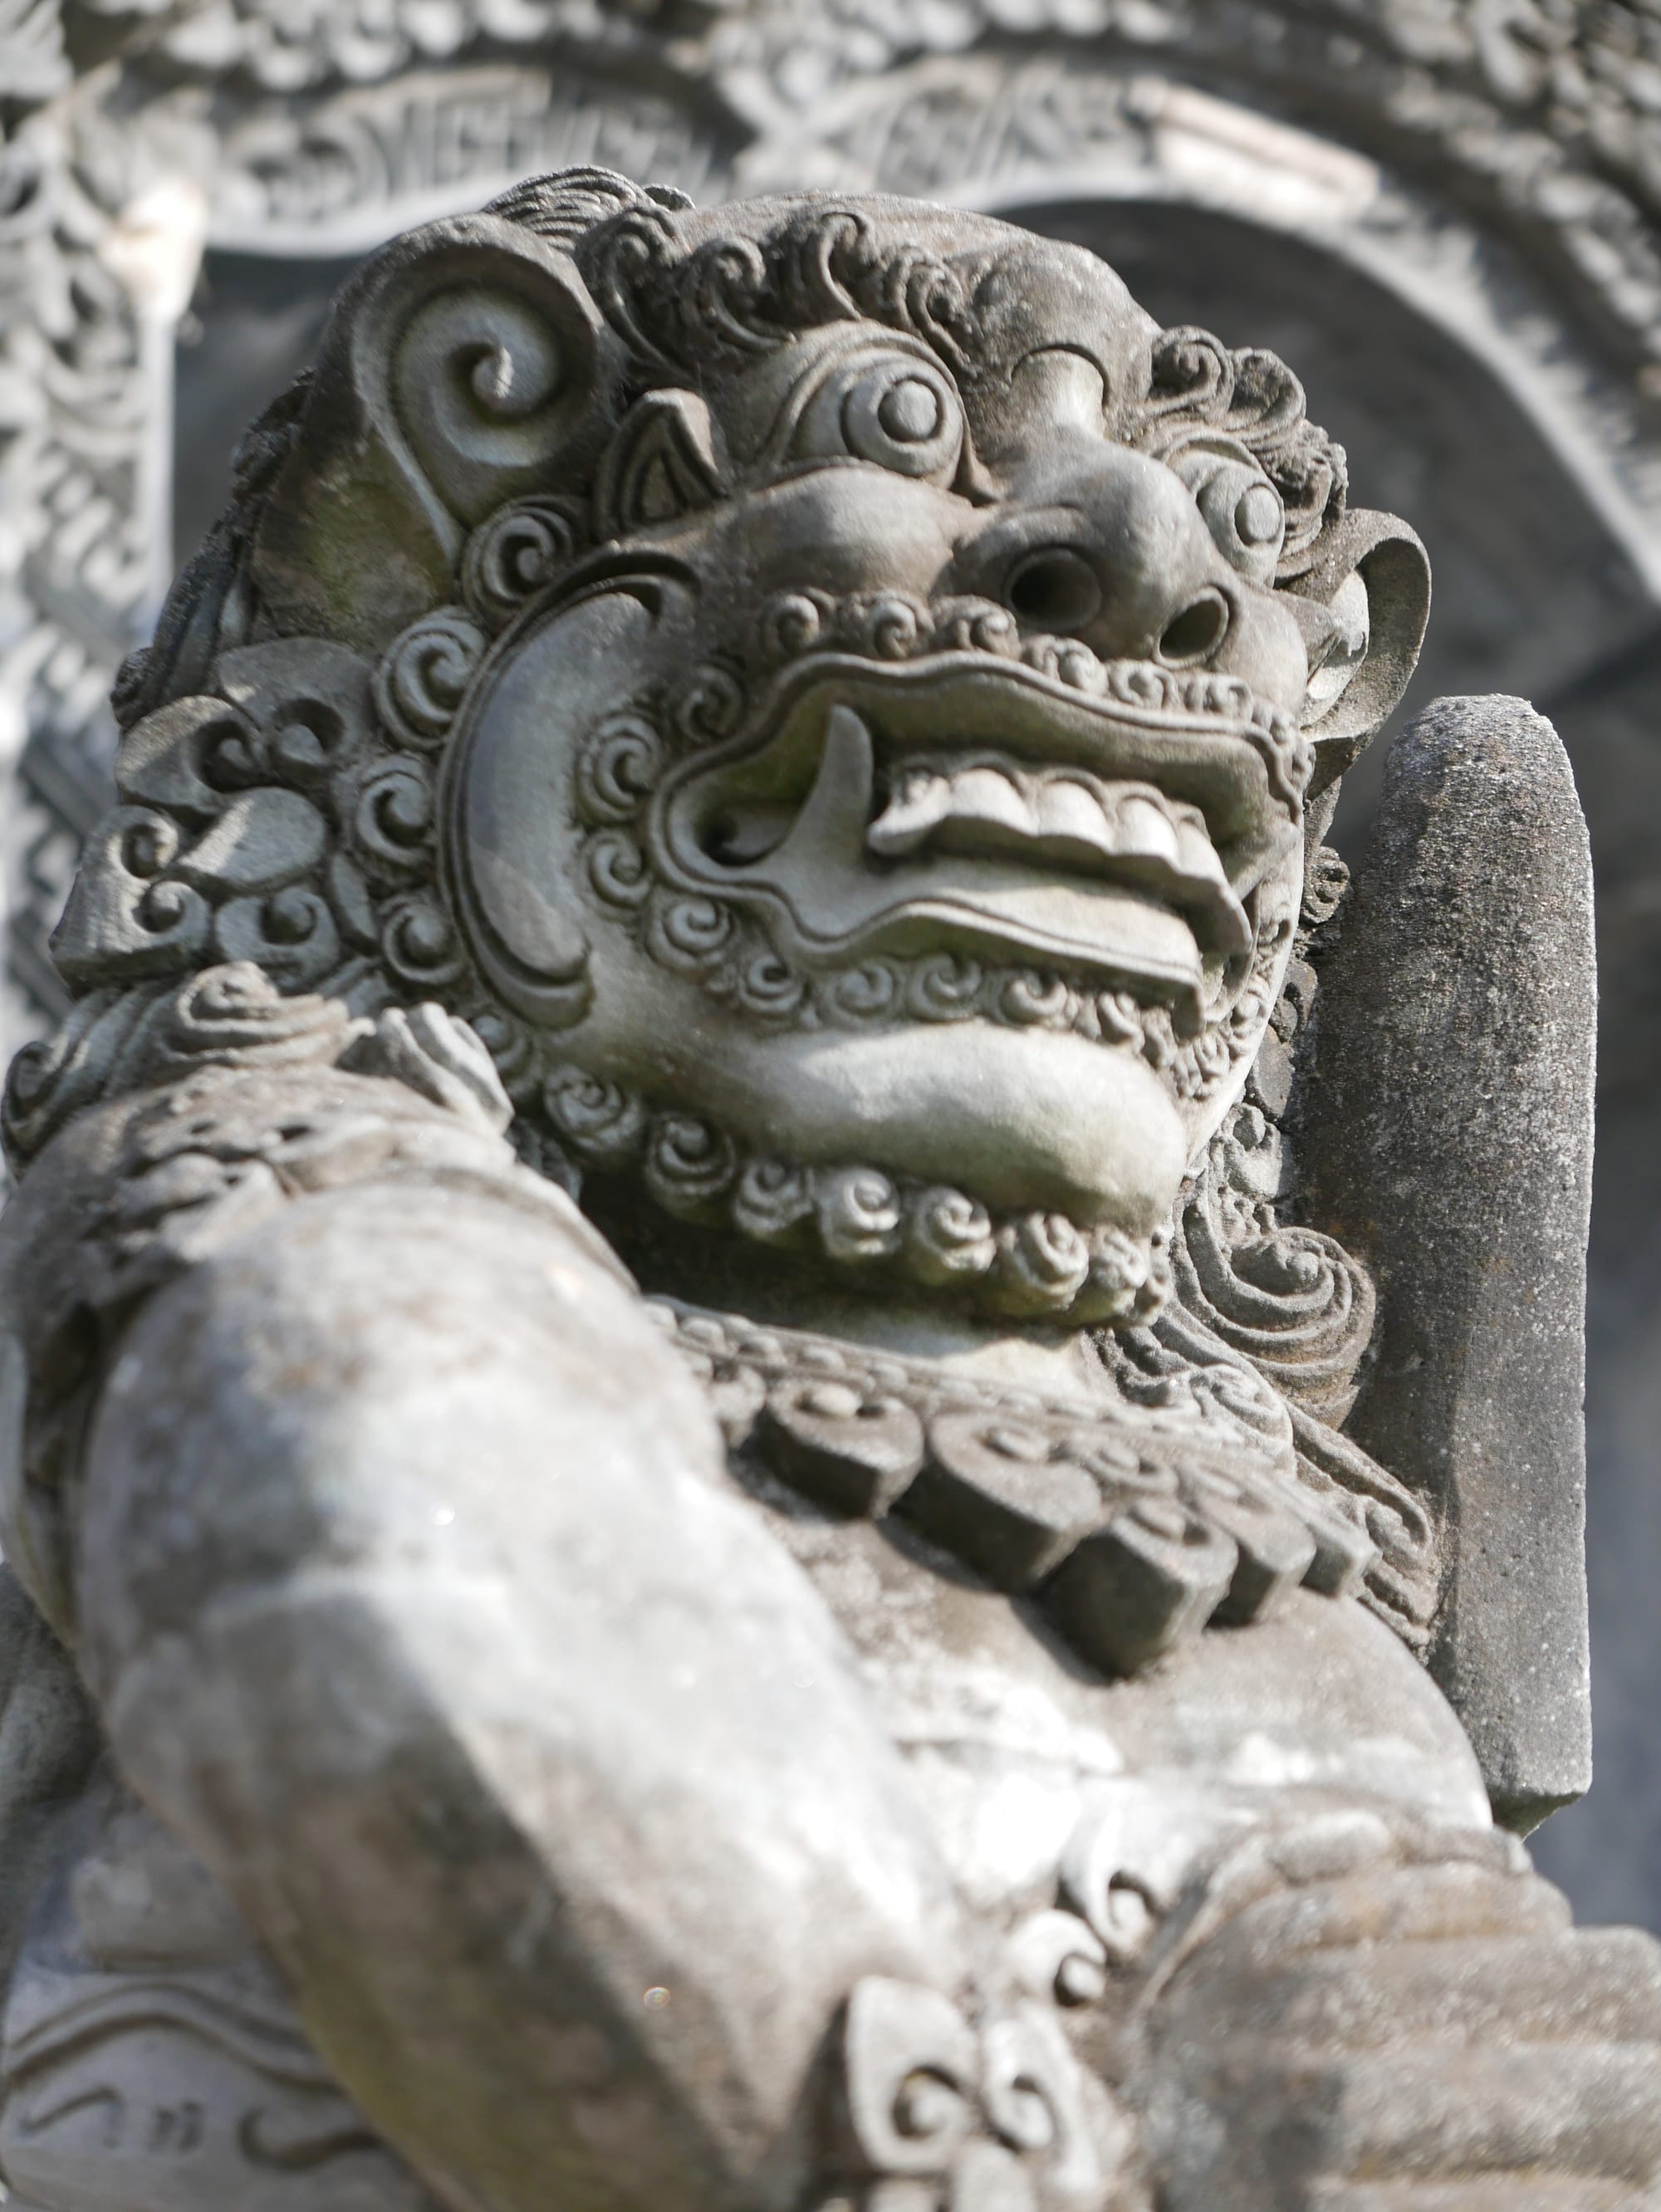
671, 1381
1467, 950
1451, 208
1531, 591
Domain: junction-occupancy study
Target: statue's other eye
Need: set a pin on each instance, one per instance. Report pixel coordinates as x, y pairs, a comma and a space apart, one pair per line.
1243, 510
896, 410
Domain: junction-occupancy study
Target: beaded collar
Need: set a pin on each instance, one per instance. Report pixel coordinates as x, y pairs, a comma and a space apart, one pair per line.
1133, 1523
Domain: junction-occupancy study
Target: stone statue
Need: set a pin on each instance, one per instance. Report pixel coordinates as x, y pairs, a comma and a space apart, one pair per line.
700, 1511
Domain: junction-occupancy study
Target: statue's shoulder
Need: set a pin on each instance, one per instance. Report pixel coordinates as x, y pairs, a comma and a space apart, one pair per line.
238, 1100
140, 1159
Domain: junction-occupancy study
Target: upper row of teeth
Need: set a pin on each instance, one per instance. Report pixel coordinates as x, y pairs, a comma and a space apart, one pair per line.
1118, 820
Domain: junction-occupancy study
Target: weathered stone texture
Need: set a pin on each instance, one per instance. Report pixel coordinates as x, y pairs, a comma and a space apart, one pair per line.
1447, 1140
674, 1378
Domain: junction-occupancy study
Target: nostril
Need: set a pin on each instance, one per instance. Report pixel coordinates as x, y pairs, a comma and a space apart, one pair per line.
1196, 632
1057, 589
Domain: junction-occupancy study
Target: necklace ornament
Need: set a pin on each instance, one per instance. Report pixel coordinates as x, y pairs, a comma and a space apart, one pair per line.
1131, 1526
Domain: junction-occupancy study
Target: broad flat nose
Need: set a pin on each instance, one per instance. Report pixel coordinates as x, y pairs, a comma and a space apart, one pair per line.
1104, 545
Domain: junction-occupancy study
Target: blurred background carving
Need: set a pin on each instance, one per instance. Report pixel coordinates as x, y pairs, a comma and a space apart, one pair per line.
1447, 212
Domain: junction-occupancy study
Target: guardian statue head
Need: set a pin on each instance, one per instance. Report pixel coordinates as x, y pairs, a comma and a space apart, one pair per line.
839, 700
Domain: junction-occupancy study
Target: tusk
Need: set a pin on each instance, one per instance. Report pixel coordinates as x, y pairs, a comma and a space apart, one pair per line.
829, 832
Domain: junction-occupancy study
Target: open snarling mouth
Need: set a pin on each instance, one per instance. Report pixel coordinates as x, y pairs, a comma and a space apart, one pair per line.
889, 810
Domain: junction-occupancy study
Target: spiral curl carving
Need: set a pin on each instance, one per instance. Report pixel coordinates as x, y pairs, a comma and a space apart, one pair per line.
972, 625
293, 933
768, 987
1324, 887
604, 1125
689, 932
791, 624
1192, 371
860, 1212
689, 1164
1289, 1299
943, 987
617, 769
709, 705
393, 820
424, 673
175, 916
517, 553
1130, 1279
230, 751
619, 871
488, 379
1043, 1263
949, 1236
890, 627
773, 1201
1118, 1016
1066, 662
1027, 999
869, 992
418, 944
149, 843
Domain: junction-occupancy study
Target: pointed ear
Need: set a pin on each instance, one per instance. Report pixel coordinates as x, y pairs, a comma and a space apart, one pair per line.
463, 366
661, 464
1374, 574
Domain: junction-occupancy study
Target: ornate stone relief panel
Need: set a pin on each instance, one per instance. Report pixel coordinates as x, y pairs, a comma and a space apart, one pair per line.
342, 173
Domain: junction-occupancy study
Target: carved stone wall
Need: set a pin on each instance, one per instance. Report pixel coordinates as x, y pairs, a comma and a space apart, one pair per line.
1458, 206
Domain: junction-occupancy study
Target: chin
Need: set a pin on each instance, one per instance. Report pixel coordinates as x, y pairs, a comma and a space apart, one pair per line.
1025, 1121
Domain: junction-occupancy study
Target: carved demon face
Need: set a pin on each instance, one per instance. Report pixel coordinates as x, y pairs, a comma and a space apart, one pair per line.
870, 743
881, 798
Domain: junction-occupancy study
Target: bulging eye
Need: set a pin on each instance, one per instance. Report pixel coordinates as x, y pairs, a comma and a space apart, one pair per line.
897, 411
904, 417
1242, 509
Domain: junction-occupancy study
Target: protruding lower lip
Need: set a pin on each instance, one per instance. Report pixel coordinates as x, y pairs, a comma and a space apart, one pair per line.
887, 810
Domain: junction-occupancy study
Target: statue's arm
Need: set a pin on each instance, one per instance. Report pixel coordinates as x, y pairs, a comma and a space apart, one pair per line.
405, 1570
1364, 2014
